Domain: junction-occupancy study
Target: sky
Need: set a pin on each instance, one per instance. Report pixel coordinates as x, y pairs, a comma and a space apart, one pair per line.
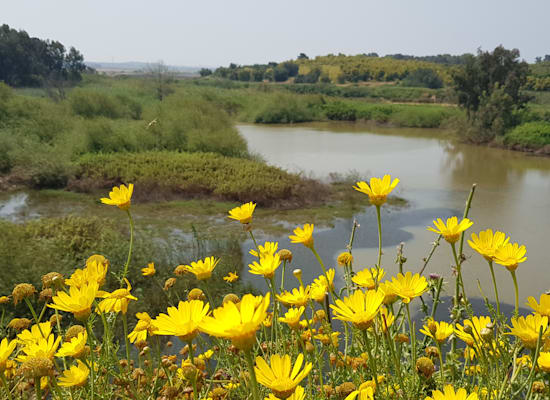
218, 32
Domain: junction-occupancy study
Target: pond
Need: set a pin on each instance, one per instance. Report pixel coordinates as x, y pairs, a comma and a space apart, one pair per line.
436, 174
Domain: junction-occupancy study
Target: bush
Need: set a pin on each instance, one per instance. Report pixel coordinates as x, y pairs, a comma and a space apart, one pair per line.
532, 135
340, 111
91, 103
287, 109
424, 77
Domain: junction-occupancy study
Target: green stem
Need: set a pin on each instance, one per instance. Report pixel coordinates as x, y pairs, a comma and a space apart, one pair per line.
36, 320
495, 286
274, 324
92, 372
516, 289
37, 388
465, 215
372, 362
459, 273
5, 383
126, 342
440, 362
379, 219
192, 359
255, 244
413, 337
250, 363
283, 277
130, 248
322, 264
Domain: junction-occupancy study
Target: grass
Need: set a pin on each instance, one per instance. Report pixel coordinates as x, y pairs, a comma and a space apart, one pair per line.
531, 135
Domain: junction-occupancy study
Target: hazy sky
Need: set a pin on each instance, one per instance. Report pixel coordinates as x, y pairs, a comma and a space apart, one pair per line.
218, 32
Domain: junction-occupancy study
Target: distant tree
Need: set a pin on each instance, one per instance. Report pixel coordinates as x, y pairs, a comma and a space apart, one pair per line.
291, 68
258, 74
280, 73
161, 77
547, 57
244, 75
489, 89
371, 54
232, 66
205, 72
303, 56
538, 60
424, 77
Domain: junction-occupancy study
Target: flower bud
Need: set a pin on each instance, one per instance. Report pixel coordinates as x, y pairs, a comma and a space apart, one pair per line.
22, 291
425, 367
285, 255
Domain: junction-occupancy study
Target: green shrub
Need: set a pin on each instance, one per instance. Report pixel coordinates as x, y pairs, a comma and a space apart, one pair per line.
92, 103
339, 111
531, 135
287, 109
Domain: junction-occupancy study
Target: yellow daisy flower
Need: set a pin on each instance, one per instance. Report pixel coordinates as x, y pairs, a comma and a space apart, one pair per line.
299, 394
439, 331
510, 256
450, 394
364, 392
365, 278
527, 329
543, 308
281, 377
409, 286
143, 328
544, 361
266, 267
360, 308
237, 323
389, 293
378, 190
78, 301
297, 297
202, 269
344, 258
6, 348
43, 348
183, 321
320, 287
452, 230
386, 318
120, 197
149, 270
77, 375
95, 271
487, 243
303, 235
231, 277
116, 301
292, 317
243, 213
471, 335
75, 348
37, 332
269, 248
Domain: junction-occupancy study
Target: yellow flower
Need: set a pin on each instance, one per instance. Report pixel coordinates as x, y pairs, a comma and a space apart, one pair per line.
116, 301
527, 329
365, 392
452, 229
409, 286
43, 348
266, 267
292, 317
389, 293
243, 214
472, 335
202, 269
320, 286
378, 189
77, 375
543, 308
37, 332
207, 355
149, 270
6, 348
365, 277
510, 256
544, 361
487, 243
439, 331
143, 328
183, 321
79, 300
4, 299
231, 277
120, 197
95, 271
344, 258
360, 308
303, 235
386, 318
269, 248
299, 394
297, 297
76, 347
238, 323
450, 394
281, 377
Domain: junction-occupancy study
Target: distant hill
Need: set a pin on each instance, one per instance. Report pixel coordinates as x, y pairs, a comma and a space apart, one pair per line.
137, 67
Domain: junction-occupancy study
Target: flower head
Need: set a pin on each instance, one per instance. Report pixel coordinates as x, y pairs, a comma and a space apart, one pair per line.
344, 258
266, 267
120, 197
450, 394
149, 270
543, 308
510, 255
297, 297
452, 229
281, 377
37, 332
527, 329
116, 301
544, 361
303, 235
360, 308
409, 286
77, 375
243, 213
202, 269
321, 286
292, 317
238, 323
143, 328
95, 271
231, 277
76, 347
470, 332
269, 248
6, 348
366, 277
299, 394
78, 301
439, 331
183, 321
378, 189
487, 243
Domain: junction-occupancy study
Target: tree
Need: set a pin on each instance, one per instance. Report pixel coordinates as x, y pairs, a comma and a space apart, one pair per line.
303, 56
161, 76
424, 77
492, 81
205, 72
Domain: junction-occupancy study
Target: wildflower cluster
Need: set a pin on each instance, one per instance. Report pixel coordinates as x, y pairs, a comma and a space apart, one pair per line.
300, 340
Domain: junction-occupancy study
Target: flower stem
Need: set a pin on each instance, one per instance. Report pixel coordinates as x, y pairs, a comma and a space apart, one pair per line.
5, 383
372, 362
441, 371
250, 363
495, 285
413, 336
37, 388
130, 247
91, 344
379, 219
516, 312
126, 343
36, 320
